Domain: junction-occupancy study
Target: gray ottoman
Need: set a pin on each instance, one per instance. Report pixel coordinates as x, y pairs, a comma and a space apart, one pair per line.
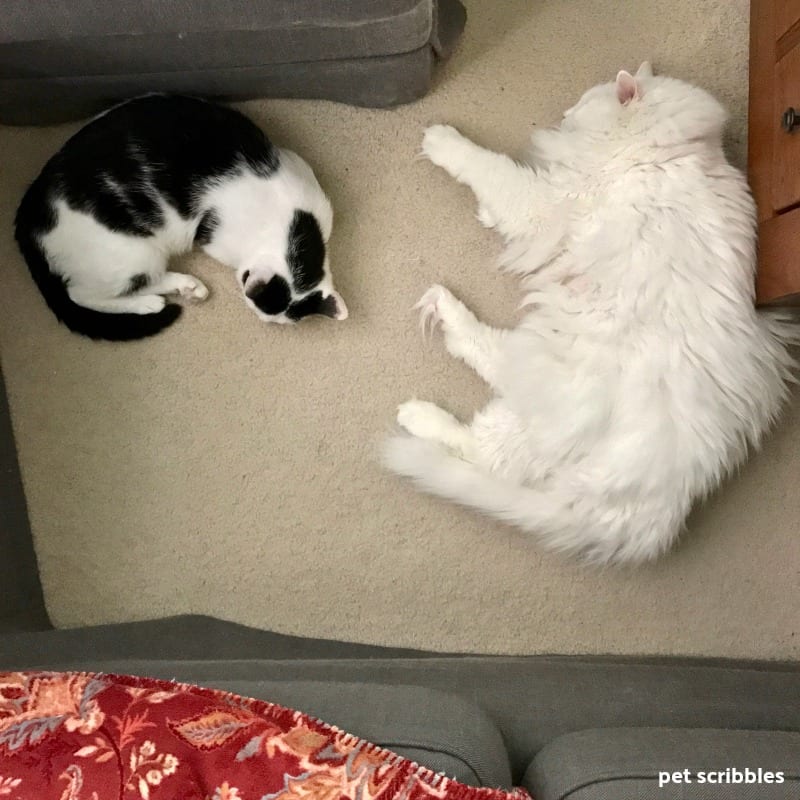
64, 59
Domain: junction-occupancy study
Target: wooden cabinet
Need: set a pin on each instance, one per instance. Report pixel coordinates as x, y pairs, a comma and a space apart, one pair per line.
774, 146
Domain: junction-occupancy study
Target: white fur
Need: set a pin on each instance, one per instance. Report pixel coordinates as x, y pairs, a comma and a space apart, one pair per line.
641, 372
254, 217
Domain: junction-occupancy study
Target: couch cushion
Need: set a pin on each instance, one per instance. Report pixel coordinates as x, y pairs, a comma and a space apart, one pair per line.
66, 59
668, 763
113, 37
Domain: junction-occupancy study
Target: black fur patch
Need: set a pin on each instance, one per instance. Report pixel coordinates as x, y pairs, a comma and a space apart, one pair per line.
36, 214
272, 297
313, 303
209, 222
118, 168
306, 254
119, 165
137, 283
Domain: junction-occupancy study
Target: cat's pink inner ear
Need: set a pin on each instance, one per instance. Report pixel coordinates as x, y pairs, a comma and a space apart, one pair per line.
627, 88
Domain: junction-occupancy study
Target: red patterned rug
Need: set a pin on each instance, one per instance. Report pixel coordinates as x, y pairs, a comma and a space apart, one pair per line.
85, 736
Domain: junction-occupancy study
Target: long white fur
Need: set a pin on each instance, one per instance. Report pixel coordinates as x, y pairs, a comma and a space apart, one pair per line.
642, 372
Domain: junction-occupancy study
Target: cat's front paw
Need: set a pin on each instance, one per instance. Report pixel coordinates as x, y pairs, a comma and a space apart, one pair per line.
429, 307
192, 289
439, 306
441, 144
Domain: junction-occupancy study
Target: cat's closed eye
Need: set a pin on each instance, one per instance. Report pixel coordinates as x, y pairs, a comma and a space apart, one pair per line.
245, 275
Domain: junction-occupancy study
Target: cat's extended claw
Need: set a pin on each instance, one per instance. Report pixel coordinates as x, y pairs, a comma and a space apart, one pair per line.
428, 307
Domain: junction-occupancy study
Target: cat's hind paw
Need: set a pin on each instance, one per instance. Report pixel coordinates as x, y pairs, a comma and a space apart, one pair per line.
422, 419
148, 304
427, 421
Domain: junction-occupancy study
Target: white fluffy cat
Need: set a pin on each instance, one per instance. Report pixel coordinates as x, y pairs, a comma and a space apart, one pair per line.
641, 372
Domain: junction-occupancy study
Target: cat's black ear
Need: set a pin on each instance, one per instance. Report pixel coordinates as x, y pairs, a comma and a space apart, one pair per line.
271, 298
331, 306
337, 307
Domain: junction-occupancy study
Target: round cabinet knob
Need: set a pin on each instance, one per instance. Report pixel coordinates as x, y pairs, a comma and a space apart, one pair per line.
790, 119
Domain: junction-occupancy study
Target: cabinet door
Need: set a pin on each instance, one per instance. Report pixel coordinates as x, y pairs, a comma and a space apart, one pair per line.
786, 145
774, 154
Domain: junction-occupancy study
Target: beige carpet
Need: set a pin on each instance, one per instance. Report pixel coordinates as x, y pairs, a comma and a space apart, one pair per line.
228, 467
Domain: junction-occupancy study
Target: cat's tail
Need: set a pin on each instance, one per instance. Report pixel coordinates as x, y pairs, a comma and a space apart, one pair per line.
545, 514
86, 321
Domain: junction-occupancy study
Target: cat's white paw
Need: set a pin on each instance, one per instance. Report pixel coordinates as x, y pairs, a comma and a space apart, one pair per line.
441, 143
428, 307
149, 304
197, 291
190, 288
422, 419
436, 306
486, 218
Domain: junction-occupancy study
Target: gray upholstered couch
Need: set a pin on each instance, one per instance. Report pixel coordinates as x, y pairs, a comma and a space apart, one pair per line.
62, 59
565, 727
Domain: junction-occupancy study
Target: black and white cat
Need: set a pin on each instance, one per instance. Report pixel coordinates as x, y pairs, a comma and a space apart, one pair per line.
153, 177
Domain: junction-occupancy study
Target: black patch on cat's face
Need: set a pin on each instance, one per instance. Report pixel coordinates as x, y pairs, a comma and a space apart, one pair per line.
306, 253
209, 222
313, 303
137, 283
271, 298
